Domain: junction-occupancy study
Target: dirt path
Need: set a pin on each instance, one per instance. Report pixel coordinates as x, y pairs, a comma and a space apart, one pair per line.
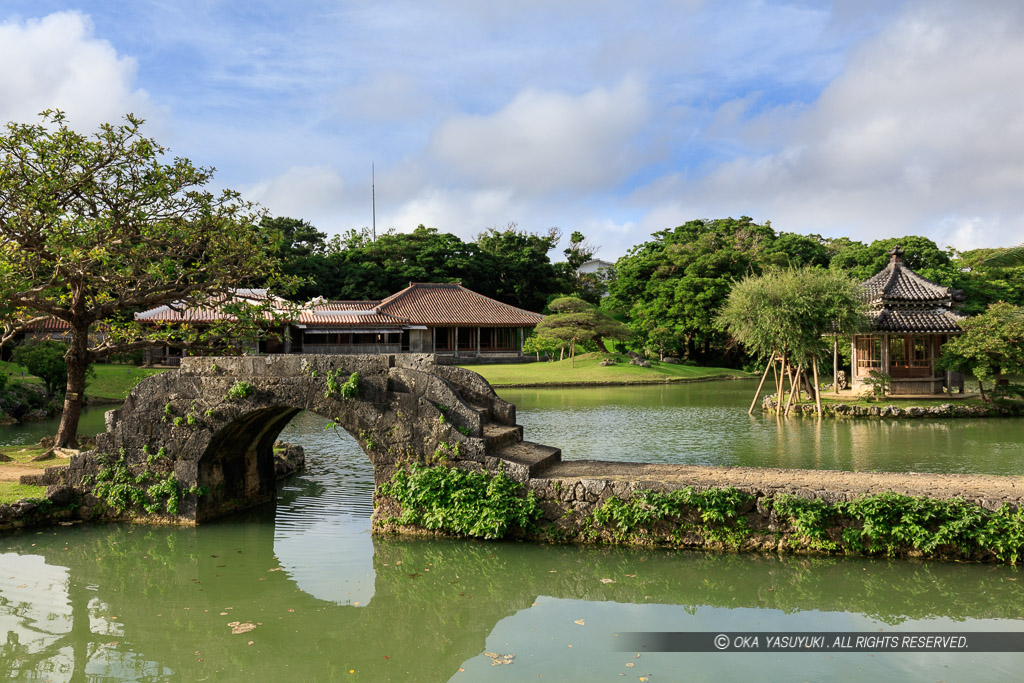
829, 485
13, 472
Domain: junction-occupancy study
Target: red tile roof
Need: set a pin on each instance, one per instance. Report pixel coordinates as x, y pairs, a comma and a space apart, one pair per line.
453, 304
182, 312
49, 325
418, 304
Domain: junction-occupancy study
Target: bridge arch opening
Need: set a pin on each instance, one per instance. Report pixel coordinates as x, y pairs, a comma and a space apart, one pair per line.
237, 468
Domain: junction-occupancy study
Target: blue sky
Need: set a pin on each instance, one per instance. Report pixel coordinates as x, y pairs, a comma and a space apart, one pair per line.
860, 118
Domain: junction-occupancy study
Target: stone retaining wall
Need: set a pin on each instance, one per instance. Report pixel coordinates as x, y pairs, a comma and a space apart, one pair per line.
945, 410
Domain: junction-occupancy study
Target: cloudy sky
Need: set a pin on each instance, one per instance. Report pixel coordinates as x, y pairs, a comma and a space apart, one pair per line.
864, 118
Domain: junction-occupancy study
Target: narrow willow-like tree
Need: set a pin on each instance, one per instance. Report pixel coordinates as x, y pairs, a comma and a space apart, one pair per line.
782, 318
573, 321
94, 228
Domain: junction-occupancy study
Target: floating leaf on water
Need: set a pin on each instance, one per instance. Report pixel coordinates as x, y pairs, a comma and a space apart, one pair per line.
241, 627
607, 580
578, 621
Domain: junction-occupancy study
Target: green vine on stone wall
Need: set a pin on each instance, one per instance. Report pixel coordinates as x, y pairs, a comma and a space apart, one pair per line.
122, 487
347, 389
457, 501
889, 523
239, 390
719, 511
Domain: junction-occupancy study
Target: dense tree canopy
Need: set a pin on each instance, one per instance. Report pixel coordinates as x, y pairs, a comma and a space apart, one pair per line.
518, 270
95, 227
990, 346
678, 281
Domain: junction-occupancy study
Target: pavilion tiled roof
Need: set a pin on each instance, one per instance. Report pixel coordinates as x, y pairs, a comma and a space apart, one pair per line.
898, 283
899, 300
453, 304
930, 320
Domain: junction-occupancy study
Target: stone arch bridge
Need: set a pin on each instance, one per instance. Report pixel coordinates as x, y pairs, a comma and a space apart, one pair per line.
216, 420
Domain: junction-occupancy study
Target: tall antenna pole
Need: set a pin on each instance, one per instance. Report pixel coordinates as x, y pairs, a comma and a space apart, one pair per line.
373, 200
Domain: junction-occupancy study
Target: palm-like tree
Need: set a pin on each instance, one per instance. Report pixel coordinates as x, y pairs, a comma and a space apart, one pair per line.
1005, 258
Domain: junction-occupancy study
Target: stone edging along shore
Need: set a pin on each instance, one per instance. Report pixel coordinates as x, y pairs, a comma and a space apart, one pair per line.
945, 410
947, 516
622, 383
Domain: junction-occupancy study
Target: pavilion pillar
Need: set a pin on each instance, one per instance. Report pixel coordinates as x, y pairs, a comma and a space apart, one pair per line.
854, 371
477, 342
884, 361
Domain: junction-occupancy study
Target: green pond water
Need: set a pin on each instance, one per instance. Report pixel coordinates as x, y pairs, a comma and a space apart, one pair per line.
313, 597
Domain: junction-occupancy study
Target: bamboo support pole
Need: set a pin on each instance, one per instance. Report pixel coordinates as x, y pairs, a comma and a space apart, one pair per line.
757, 393
792, 387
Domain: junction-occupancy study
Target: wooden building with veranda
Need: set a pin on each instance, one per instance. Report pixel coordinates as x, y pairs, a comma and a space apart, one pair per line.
910, 318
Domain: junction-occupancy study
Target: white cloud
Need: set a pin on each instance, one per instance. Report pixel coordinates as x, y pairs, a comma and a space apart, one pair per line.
57, 63
549, 142
313, 193
923, 133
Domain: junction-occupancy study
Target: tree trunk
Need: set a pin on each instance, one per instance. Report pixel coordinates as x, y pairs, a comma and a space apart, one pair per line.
981, 390
561, 353
817, 394
77, 359
835, 364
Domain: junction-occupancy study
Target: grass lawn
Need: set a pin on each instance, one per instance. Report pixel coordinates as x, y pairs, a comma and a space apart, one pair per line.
587, 371
115, 381
10, 472
111, 381
11, 491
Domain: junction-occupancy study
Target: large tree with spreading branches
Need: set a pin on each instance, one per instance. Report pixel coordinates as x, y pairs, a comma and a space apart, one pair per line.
96, 227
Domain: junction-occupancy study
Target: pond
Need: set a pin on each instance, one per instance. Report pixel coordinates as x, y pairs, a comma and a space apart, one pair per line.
301, 591
707, 424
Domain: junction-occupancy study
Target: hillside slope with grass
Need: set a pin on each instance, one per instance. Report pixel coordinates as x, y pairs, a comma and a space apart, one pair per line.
587, 370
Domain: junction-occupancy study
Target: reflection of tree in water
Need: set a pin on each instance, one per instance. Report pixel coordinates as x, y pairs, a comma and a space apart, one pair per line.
51, 650
174, 591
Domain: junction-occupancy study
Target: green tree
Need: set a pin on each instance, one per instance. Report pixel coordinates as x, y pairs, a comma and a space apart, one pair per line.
516, 268
680, 279
990, 346
45, 360
783, 316
1006, 258
574, 321
538, 345
95, 227
920, 254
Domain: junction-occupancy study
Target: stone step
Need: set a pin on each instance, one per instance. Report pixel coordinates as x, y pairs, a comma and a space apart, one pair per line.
498, 436
527, 459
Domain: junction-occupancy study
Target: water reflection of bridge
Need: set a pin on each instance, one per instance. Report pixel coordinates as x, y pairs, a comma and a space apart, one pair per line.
157, 602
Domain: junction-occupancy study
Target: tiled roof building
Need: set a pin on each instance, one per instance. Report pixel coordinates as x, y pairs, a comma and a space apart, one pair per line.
441, 318
910, 318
